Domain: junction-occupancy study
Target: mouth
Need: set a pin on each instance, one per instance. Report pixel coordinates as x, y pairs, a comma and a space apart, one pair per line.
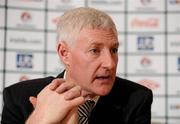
103, 78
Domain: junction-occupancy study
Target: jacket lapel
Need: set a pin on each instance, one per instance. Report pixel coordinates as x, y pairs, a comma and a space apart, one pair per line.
107, 111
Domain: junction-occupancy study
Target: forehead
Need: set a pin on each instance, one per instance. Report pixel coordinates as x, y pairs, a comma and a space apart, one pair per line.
98, 35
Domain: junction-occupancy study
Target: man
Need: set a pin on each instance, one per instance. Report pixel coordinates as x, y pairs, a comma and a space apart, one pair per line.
88, 46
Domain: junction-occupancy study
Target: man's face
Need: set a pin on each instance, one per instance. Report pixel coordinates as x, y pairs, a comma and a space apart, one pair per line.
93, 61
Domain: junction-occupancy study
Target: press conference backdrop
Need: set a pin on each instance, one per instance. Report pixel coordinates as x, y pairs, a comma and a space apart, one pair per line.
149, 36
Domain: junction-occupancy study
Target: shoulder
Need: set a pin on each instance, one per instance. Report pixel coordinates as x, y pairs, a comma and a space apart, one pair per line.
129, 86
31, 87
16, 98
127, 90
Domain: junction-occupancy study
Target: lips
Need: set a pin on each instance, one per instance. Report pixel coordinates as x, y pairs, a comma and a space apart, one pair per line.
103, 77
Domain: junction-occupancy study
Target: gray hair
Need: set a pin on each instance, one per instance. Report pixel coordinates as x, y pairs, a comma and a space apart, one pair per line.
73, 21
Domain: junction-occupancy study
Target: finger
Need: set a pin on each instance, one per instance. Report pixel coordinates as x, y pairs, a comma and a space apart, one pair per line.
33, 100
56, 83
64, 87
73, 93
77, 101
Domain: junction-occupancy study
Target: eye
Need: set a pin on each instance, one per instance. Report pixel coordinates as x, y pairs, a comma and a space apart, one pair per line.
95, 51
115, 50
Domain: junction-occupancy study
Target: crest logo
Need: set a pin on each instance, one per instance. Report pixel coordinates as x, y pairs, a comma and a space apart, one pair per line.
24, 61
26, 17
145, 43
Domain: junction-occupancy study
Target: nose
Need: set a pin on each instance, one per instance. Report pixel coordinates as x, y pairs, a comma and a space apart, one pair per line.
109, 60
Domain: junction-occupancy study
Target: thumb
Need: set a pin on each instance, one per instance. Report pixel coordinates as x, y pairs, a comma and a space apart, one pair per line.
33, 100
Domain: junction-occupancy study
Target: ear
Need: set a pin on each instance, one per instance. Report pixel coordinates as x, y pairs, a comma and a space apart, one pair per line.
63, 52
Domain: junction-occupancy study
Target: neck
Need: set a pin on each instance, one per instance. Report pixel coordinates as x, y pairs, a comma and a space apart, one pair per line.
86, 94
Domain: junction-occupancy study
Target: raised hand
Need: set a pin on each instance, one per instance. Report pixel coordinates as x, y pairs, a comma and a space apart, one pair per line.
55, 103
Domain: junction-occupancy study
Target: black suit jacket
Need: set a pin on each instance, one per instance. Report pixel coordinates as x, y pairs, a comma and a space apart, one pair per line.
127, 103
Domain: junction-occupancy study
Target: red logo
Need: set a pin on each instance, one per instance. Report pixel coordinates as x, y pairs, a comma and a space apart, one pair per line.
26, 17
149, 84
23, 78
55, 20
145, 61
177, 106
174, 1
147, 23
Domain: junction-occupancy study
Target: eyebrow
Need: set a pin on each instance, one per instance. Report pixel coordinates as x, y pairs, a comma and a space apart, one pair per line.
100, 44
116, 44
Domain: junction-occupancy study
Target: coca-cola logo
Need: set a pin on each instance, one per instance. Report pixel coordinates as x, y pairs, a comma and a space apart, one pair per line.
149, 84
149, 23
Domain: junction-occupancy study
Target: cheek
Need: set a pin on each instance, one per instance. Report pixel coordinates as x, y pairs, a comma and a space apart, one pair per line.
79, 65
83, 61
83, 65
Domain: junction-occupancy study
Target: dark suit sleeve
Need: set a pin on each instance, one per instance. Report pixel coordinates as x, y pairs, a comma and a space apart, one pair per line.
143, 114
11, 111
17, 107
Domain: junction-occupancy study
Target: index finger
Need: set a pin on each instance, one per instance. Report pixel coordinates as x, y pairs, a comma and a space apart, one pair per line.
56, 83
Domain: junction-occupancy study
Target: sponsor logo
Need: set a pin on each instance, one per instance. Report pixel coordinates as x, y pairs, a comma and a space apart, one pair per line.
174, 2
23, 78
146, 66
149, 84
24, 61
175, 43
145, 43
26, 17
30, 0
178, 61
65, 4
175, 106
145, 62
106, 2
145, 23
145, 2
55, 20
65, 1
23, 40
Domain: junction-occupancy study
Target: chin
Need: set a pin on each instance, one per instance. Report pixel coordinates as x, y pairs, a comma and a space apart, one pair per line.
104, 91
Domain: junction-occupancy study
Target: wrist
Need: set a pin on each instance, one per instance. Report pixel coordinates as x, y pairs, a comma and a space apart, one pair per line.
37, 118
